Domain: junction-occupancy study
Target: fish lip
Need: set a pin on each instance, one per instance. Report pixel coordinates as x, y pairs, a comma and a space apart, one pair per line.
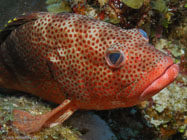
161, 82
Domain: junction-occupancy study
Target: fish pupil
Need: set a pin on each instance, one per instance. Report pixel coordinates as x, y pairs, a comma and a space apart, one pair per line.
114, 57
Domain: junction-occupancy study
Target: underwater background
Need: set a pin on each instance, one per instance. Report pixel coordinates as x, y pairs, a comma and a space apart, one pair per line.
163, 118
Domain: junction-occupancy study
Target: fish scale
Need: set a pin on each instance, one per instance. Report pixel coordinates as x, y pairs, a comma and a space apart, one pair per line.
65, 58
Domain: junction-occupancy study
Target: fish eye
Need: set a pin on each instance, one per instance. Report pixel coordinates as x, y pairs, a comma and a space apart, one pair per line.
115, 58
143, 33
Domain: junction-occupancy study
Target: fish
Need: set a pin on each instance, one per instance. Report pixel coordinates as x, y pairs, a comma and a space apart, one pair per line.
79, 63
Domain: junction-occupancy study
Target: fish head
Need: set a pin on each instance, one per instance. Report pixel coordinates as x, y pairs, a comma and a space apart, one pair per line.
142, 70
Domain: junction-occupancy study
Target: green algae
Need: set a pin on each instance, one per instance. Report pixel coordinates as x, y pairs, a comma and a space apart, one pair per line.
57, 6
159, 5
135, 4
185, 5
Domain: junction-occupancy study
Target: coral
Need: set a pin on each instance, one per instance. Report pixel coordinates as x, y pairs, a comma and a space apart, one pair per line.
168, 113
113, 11
144, 14
168, 47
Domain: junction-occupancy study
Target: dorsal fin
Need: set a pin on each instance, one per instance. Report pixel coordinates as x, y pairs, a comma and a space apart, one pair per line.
18, 21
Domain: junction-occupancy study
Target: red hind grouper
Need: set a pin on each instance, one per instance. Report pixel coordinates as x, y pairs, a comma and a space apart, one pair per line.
79, 63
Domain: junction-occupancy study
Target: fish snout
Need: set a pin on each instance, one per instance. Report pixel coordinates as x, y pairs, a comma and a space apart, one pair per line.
164, 74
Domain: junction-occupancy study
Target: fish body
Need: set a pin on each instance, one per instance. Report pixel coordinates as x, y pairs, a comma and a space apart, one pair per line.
80, 63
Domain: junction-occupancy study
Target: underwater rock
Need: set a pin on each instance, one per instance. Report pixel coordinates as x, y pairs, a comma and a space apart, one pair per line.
127, 124
91, 126
168, 111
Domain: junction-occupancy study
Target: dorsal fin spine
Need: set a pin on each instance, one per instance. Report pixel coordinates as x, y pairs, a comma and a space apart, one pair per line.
18, 21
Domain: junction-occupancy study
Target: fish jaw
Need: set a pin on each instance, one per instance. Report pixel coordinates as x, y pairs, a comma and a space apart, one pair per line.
151, 83
164, 73
164, 80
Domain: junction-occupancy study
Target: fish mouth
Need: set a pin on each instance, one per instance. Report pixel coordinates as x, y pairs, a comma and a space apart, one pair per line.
162, 81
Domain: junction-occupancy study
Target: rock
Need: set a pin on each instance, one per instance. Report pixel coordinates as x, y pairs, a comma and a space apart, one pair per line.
91, 126
168, 110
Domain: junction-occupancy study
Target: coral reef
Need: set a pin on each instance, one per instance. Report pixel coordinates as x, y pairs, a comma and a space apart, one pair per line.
168, 110
157, 17
114, 11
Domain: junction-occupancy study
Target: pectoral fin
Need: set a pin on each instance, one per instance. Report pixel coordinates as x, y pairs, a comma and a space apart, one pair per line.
28, 123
